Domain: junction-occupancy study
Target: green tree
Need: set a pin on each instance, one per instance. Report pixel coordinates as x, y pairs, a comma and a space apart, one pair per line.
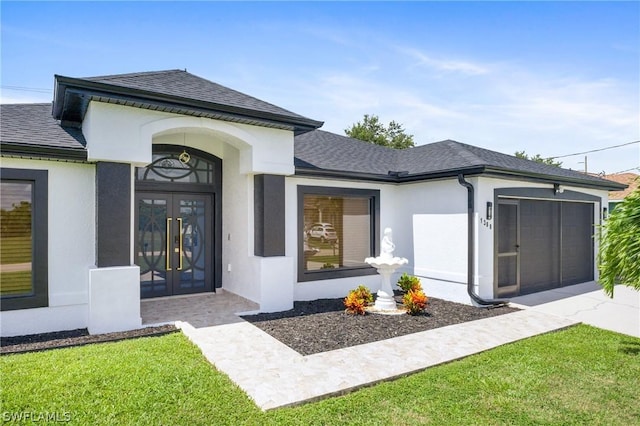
370, 129
538, 159
619, 253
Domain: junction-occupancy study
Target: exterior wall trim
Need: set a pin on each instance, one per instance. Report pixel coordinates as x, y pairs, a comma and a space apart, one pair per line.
269, 215
544, 194
113, 214
375, 227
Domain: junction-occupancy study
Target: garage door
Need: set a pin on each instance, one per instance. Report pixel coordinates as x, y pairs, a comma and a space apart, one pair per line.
543, 245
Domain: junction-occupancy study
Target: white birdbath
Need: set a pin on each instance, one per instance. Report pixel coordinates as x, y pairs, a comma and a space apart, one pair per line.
386, 264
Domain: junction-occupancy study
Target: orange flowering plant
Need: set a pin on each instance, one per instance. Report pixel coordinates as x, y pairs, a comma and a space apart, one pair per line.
415, 302
357, 300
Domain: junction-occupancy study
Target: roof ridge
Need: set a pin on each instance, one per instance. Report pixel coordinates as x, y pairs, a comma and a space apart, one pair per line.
173, 71
181, 88
355, 139
242, 93
393, 161
464, 152
133, 74
29, 103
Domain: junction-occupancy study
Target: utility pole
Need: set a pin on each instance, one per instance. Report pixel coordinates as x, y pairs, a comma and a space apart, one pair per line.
585, 164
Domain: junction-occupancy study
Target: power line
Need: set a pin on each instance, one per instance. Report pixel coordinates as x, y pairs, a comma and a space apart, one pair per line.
595, 150
26, 89
624, 171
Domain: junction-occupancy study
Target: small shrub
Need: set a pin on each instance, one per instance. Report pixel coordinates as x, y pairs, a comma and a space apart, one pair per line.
357, 300
409, 283
354, 304
328, 265
415, 302
364, 293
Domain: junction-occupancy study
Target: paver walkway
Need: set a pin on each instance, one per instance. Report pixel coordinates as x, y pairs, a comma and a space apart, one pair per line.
274, 375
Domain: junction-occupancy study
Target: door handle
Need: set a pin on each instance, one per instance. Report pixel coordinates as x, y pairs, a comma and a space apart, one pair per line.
168, 253
180, 245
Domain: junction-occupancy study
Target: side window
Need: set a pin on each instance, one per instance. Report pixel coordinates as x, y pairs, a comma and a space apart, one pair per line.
23, 239
337, 230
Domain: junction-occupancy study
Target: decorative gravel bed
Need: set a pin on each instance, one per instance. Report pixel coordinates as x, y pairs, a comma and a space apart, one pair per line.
63, 339
322, 325
310, 327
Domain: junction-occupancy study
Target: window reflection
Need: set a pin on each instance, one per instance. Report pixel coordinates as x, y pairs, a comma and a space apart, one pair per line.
16, 239
336, 231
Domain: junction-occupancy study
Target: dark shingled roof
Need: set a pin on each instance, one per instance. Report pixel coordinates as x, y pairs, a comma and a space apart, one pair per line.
30, 128
324, 153
328, 151
174, 91
182, 84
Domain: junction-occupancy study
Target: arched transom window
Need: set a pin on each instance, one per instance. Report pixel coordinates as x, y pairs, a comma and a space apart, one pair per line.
171, 167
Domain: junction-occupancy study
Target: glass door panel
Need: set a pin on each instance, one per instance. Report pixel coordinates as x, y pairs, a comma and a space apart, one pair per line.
195, 235
152, 245
174, 243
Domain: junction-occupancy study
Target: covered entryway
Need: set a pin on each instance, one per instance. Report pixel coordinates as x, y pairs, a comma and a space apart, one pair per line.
178, 229
542, 245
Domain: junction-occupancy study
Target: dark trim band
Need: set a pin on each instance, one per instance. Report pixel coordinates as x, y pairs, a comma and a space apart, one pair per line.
40, 239
374, 196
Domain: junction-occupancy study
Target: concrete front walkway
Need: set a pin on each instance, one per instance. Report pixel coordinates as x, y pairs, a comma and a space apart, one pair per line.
274, 375
587, 303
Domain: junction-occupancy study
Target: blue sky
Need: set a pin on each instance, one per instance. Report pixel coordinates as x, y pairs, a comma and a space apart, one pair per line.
552, 78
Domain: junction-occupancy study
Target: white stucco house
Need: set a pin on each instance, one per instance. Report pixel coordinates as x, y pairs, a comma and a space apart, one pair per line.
158, 184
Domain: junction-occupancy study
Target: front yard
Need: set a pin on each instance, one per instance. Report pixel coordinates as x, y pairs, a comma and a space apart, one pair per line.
581, 375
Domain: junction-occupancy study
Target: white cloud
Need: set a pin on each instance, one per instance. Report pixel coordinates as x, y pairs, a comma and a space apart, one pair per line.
444, 64
508, 109
18, 98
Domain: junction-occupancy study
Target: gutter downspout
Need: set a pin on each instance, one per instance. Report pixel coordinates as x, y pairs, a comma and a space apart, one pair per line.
489, 303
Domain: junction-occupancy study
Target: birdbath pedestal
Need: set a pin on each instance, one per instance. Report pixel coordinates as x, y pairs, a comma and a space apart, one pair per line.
386, 266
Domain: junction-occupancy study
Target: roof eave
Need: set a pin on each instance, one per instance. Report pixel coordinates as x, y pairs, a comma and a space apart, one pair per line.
92, 88
451, 173
539, 177
386, 178
339, 174
45, 152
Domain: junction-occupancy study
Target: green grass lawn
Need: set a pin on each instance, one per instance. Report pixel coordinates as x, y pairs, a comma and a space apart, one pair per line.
581, 375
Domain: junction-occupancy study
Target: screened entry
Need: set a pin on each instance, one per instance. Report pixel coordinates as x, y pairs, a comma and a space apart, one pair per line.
541, 245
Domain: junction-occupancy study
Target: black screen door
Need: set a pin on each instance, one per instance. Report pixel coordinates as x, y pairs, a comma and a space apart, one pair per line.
508, 256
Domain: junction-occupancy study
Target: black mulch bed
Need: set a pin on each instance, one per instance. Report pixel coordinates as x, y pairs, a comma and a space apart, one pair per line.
323, 325
64, 339
310, 327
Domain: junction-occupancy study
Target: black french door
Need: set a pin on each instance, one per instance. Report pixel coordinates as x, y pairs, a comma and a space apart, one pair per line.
174, 243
